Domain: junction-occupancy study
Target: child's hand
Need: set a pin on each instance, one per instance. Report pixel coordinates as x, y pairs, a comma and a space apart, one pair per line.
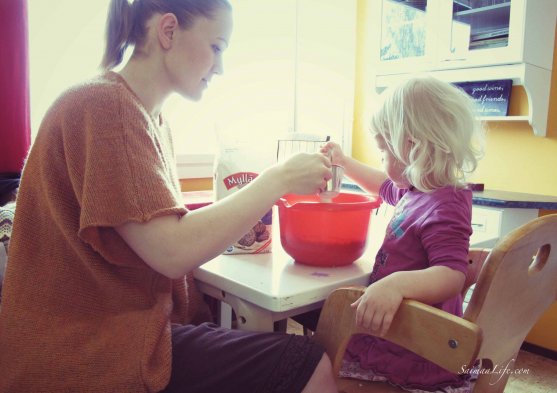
334, 151
376, 308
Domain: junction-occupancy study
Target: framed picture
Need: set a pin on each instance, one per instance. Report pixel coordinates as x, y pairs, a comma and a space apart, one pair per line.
491, 97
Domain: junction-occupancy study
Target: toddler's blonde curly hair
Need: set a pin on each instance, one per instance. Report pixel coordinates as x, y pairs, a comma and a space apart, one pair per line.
430, 126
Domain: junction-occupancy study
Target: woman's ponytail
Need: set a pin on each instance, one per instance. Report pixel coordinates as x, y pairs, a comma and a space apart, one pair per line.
126, 22
118, 29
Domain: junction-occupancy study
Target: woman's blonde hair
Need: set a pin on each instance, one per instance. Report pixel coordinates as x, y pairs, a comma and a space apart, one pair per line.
430, 126
127, 20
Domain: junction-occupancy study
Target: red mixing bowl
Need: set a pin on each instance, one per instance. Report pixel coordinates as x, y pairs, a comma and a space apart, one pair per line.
325, 234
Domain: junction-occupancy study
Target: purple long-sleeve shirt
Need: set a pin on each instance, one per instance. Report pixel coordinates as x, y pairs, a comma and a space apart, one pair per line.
427, 229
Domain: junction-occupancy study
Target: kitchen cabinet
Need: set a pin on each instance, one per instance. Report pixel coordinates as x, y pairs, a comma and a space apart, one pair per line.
496, 213
467, 40
490, 224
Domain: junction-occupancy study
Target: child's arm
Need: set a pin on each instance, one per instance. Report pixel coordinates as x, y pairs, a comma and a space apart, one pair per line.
378, 305
370, 179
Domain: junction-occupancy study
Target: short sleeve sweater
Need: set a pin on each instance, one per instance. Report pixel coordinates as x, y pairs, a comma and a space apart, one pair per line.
80, 310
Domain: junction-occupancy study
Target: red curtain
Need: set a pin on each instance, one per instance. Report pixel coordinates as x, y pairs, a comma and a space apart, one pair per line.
15, 132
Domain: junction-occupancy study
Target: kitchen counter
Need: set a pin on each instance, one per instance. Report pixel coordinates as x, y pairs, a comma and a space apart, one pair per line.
507, 199
495, 198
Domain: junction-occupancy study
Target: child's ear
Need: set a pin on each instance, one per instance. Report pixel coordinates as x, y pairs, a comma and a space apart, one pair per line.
168, 23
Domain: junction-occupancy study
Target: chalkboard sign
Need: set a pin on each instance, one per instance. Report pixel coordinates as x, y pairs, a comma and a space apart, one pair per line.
491, 97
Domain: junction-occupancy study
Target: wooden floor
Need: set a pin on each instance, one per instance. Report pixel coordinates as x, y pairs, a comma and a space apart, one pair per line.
541, 377
540, 373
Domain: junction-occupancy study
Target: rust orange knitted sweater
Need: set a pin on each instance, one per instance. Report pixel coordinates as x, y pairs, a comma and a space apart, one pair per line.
81, 312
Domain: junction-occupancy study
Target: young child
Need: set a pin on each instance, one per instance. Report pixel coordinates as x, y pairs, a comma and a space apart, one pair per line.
429, 138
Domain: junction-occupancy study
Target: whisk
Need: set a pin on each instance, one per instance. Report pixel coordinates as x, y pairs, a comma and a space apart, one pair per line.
299, 143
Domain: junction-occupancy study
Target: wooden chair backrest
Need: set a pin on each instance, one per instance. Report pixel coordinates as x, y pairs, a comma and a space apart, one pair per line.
517, 284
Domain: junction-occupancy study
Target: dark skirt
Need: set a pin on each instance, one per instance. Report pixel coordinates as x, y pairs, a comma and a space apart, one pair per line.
208, 358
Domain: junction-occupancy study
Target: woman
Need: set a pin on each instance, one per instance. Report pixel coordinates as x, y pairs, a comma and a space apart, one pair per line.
102, 242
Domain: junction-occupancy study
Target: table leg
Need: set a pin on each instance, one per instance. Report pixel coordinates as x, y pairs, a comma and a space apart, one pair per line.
281, 325
225, 315
249, 316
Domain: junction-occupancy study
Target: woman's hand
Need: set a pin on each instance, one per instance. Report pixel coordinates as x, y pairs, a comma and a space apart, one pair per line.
306, 173
174, 245
376, 308
334, 152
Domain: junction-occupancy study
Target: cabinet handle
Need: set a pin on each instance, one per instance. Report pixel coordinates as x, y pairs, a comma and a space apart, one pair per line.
454, 59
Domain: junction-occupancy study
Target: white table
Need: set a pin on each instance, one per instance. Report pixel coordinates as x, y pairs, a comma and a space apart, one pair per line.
266, 288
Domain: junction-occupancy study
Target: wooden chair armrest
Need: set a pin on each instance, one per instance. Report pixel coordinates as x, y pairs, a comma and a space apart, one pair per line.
445, 339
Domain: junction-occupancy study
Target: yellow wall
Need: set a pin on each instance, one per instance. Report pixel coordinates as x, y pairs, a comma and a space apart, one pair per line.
515, 159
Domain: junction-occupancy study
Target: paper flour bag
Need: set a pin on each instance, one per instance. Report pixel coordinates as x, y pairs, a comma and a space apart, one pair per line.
236, 165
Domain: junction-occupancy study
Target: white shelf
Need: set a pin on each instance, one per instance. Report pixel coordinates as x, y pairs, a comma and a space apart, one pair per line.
536, 82
527, 59
504, 118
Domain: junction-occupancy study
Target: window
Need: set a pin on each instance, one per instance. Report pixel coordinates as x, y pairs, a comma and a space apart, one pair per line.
283, 72
66, 43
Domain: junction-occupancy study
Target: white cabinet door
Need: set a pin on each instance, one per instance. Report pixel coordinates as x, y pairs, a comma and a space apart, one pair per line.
491, 224
428, 35
495, 32
402, 35
467, 40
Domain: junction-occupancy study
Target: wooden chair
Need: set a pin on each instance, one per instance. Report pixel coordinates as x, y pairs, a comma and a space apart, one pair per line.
517, 284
